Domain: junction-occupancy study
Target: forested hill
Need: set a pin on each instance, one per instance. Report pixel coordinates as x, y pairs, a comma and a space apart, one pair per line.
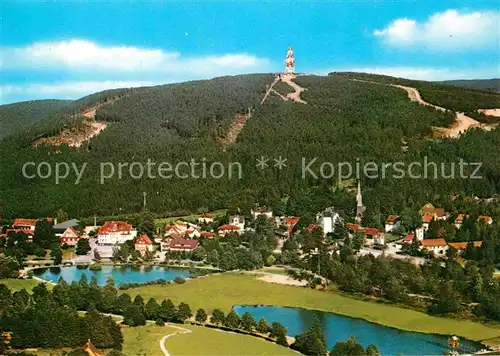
17, 116
482, 84
343, 121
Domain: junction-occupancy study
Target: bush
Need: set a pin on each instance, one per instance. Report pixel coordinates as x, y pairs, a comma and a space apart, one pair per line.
95, 267
179, 280
160, 322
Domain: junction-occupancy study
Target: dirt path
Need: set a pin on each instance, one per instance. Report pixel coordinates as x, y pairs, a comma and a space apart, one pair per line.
89, 128
490, 112
280, 279
462, 121
163, 339
269, 90
234, 130
295, 96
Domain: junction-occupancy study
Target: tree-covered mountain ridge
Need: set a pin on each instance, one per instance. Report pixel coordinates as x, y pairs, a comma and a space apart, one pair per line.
342, 120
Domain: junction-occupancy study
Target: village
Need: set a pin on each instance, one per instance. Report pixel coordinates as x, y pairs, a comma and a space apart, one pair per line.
185, 236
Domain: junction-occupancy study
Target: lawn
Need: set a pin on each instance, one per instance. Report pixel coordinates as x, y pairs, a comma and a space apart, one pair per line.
18, 284
224, 291
161, 222
145, 341
274, 270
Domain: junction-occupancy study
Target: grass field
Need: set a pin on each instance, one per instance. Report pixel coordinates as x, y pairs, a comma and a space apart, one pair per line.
274, 270
145, 341
193, 217
18, 284
224, 291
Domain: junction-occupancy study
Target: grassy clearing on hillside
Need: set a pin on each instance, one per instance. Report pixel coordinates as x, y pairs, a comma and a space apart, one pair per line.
161, 222
273, 270
18, 284
224, 291
145, 341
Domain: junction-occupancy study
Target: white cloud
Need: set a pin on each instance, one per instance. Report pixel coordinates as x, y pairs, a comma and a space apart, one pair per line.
72, 88
86, 56
65, 90
445, 30
422, 73
94, 67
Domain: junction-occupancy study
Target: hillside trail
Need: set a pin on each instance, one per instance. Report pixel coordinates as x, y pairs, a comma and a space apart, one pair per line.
163, 339
490, 112
462, 121
295, 96
92, 128
288, 79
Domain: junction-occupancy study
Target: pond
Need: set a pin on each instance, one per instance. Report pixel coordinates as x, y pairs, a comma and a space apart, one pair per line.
120, 274
336, 327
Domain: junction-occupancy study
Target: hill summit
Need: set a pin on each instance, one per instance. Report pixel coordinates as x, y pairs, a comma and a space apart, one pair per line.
343, 117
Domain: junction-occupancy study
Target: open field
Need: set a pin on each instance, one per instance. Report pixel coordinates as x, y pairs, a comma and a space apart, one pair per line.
193, 217
145, 341
224, 291
273, 270
18, 284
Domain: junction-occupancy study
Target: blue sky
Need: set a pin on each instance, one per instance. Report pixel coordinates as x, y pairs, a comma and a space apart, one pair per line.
70, 49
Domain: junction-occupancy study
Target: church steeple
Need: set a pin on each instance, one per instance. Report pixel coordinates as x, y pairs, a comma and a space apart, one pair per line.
360, 209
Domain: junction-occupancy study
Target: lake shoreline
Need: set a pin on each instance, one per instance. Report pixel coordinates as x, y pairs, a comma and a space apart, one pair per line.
245, 307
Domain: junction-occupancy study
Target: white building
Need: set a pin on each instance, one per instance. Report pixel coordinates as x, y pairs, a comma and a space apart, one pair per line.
392, 222
419, 232
436, 246
115, 232
182, 229
327, 220
205, 219
24, 224
237, 220
268, 214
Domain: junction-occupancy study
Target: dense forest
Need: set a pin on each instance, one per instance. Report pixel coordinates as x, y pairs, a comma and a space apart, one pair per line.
344, 121
450, 97
18, 116
482, 84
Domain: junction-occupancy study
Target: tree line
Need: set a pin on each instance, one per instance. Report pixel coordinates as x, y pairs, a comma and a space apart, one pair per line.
439, 287
49, 319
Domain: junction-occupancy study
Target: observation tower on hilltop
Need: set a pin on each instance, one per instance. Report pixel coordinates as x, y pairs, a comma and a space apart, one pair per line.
290, 61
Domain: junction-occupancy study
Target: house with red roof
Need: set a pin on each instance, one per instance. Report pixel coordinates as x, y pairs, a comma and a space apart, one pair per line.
392, 222
486, 219
409, 238
24, 224
229, 228
143, 244
430, 213
179, 244
115, 232
205, 219
460, 246
208, 235
373, 236
69, 237
436, 246
285, 225
182, 229
419, 233
28, 233
460, 219
352, 229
